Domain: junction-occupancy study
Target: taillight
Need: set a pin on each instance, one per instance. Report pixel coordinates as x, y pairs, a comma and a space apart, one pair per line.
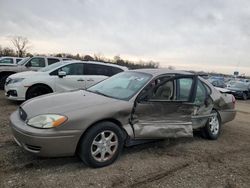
234, 101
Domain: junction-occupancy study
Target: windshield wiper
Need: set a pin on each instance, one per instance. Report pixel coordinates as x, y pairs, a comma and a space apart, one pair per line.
99, 93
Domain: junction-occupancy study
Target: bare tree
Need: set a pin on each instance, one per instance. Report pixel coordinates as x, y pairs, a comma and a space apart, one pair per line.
21, 45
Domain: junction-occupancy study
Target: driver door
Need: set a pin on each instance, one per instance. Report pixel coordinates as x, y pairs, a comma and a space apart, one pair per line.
34, 64
74, 78
165, 109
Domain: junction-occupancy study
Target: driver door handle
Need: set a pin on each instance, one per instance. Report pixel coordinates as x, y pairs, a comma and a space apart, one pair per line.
80, 80
90, 80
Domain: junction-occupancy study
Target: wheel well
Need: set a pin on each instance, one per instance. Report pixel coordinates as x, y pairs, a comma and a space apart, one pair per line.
6, 73
218, 114
116, 122
35, 85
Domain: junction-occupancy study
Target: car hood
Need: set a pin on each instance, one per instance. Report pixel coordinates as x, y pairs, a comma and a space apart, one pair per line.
26, 74
237, 89
222, 90
60, 103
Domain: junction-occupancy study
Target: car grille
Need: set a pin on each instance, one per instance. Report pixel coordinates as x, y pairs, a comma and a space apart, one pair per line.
22, 114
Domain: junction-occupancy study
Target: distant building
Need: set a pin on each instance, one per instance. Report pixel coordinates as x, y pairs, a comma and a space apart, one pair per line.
236, 73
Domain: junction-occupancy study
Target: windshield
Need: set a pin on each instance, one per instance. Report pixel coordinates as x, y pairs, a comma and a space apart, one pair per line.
238, 85
50, 67
121, 86
23, 61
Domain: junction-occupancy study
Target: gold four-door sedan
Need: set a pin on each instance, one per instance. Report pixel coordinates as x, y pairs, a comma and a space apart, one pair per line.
130, 107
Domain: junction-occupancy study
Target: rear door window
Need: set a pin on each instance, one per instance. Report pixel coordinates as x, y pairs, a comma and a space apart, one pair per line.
95, 69
52, 61
17, 60
201, 93
184, 87
7, 61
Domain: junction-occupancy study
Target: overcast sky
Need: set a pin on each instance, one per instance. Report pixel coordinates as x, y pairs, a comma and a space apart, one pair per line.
209, 35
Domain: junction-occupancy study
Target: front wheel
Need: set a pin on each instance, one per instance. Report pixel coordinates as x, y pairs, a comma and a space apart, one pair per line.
101, 145
37, 90
213, 127
2, 81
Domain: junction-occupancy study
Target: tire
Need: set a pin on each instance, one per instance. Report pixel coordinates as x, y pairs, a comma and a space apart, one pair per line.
101, 145
2, 81
213, 127
244, 96
37, 90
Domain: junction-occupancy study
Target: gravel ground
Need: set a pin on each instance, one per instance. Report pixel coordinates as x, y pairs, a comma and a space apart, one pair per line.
189, 162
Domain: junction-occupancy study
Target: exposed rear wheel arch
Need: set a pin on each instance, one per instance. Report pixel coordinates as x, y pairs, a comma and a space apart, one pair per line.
212, 128
37, 90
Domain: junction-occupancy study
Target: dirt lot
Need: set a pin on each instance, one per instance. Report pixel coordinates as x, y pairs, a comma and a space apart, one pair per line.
192, 162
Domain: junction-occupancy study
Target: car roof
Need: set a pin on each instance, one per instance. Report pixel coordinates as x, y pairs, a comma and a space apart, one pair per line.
159, 71
12, 57
94, 62
44, 56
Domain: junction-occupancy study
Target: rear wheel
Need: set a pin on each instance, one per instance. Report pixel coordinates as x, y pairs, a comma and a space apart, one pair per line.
37, 90
101, 145
2, 81
213, 127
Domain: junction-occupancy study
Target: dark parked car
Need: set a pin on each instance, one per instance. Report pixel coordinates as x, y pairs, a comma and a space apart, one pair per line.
217, 82
240, 89
130, 107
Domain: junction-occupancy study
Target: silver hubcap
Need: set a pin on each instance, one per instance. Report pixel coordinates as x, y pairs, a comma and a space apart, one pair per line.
104, 146
214, 125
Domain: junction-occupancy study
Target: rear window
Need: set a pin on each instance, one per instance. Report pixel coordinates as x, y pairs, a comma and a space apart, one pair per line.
52, 61
104, 70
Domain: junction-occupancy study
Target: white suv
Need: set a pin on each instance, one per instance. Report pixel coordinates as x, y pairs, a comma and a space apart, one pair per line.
34, 63
58, 77
7, 60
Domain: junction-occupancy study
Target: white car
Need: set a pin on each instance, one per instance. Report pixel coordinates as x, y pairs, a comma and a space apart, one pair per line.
58, 77
7, 60
27, 64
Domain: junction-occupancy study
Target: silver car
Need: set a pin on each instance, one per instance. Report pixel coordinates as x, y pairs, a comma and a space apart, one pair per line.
130, 107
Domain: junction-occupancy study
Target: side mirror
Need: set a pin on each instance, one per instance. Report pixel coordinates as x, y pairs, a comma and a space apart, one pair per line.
61, 74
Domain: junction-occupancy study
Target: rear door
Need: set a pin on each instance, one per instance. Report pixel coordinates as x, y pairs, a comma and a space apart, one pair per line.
164, 108
203, 105
74, 78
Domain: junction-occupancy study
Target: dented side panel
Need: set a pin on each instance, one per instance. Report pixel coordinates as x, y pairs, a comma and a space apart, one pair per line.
162, 119
201, 114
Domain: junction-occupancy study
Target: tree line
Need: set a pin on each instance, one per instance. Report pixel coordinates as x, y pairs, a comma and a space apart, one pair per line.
21, 45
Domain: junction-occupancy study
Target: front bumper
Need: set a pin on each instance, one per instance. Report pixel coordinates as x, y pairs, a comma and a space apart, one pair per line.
15, 92
44, 142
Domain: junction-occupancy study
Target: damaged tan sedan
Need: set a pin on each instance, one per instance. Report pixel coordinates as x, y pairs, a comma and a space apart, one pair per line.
128, 108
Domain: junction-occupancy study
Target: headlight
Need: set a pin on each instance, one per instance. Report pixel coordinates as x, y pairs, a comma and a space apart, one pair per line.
15, 80
46, 121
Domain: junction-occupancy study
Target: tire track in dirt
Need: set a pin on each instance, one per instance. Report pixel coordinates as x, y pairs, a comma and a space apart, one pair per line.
157, 176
